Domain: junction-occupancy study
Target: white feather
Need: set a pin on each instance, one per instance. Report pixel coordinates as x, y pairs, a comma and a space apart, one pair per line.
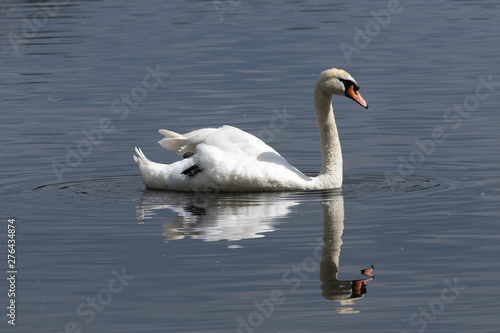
229, 159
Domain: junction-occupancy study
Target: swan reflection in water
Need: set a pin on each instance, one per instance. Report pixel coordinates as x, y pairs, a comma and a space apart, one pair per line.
216, 217
343, 291
237, 216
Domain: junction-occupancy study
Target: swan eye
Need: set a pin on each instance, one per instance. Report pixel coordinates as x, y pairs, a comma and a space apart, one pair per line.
348, 84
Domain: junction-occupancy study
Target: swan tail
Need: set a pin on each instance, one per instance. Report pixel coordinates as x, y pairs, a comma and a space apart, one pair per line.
140, 158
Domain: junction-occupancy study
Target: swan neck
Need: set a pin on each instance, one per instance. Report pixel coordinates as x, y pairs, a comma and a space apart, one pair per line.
331, 153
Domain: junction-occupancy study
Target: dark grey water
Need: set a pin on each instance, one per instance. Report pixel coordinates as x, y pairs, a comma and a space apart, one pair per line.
83, 82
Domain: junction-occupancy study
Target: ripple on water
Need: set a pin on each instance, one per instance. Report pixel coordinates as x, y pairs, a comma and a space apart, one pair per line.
130, 188
365, 185
212, 216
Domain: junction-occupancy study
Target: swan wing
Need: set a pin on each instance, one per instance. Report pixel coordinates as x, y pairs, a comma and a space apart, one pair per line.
226, 138
227, 157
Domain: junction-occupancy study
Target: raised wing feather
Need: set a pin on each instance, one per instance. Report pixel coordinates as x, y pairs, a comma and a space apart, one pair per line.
226, 138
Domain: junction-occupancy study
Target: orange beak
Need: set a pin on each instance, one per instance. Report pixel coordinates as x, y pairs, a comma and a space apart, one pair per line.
355, 95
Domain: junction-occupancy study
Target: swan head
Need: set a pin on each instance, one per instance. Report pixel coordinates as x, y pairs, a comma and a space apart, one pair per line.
338, 82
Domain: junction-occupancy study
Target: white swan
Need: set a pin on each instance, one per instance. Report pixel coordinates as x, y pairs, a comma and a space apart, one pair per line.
228, 159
